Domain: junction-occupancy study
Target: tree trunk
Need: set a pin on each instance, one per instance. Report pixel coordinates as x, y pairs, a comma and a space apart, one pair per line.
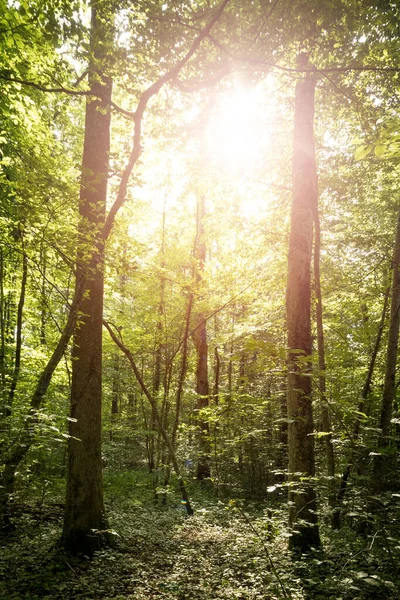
201, 345
2, 330
159, 353
389, 388
179, 394
217, 367
326, 417
302, 497
115, 394
84, 522
43, 301
18, 341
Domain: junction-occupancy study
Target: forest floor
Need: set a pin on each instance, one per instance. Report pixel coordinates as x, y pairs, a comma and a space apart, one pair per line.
222, 552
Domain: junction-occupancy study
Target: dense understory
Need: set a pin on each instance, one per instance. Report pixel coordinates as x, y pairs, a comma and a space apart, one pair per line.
224, 551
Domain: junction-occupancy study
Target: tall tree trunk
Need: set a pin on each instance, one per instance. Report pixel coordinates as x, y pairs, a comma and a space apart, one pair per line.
302, 497
217, 374
389, 388
43, 302
179, 393
115, 393
326, 417
159, 351
2, 329
201, 345
84, 515
18, 340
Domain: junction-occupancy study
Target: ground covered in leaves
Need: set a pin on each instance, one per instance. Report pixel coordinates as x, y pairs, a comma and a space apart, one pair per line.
226, 551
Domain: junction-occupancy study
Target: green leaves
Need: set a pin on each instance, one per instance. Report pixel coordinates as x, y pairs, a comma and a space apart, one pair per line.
387, 144
362, 152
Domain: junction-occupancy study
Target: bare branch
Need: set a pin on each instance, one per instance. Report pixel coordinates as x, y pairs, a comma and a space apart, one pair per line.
118, 341
42, 88
127, 113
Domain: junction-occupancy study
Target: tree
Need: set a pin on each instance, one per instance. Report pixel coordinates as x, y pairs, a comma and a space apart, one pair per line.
84, 524
302, 512
84, 515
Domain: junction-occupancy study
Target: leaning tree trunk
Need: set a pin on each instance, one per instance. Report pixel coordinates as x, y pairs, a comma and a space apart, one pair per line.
153, 403
389, 388
84, 516
302, 497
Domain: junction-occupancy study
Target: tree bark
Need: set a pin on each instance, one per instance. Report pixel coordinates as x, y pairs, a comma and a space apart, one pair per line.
302, 497
84, 522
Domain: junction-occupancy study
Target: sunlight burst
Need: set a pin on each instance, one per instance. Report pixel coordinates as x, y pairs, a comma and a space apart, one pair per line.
237, 134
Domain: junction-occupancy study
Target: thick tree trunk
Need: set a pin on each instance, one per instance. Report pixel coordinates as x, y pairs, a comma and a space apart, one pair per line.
302, 497
84, 522
389, 388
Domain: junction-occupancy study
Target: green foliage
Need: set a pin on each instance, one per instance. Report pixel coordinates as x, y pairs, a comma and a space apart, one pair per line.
161, 553
151, 274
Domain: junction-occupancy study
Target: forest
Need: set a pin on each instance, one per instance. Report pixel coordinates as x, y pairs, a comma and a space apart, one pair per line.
199, 299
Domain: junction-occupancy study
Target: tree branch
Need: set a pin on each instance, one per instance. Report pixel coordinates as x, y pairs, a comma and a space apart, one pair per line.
156, 413
309, 69
42, 88
141, 107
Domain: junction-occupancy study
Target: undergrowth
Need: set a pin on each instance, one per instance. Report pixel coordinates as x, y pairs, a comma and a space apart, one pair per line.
230, 549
